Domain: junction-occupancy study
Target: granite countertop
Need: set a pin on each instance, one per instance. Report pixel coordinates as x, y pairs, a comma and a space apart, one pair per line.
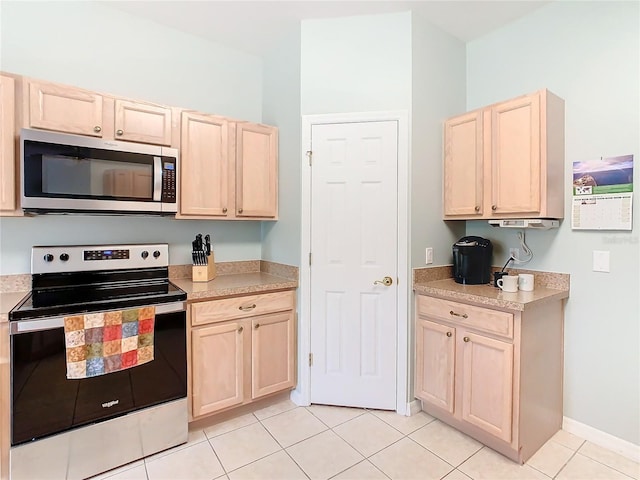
489, 295
437, 282
233, 284
7, 302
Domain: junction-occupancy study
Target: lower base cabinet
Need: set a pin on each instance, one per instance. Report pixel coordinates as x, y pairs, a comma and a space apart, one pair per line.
494, 375
235, 361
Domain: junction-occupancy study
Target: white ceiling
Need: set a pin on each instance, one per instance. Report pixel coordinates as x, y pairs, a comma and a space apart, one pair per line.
255, 26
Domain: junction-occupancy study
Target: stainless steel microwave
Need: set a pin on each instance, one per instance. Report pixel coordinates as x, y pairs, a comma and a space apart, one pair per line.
61, 173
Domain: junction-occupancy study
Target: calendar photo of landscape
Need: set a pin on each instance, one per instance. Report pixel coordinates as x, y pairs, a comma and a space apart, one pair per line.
607, 175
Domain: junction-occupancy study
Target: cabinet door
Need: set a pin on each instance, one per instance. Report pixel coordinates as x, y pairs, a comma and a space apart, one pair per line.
141, 122
435, 363
204, 166
463, 165
486, 373
515, 156
65, 109
256, 170
272, 352
217, 367
7, 154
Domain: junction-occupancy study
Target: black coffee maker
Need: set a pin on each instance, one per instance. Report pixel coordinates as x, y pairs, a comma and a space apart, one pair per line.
472, 260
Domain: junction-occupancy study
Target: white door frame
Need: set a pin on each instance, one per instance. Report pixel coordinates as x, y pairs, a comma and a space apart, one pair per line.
302, 394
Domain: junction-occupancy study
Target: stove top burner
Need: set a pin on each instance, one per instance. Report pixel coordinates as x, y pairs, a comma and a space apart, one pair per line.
70, 280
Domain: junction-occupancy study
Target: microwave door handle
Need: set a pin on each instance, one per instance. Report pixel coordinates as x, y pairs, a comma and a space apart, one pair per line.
157, 179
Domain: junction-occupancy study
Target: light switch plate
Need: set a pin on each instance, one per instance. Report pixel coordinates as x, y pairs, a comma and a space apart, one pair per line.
429, 256
601, 261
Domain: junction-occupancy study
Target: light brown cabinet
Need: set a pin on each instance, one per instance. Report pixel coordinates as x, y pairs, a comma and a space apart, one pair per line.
242, 349
229, 169
495, 375
74, 110
506, 160
8, 164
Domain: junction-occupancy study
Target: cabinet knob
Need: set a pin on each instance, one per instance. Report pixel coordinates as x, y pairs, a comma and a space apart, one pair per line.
477, 209
449, 334
119, 132
455, 314
257, 326
224, 210
466, 339
240, 329
494, 207
97, 129
239, 210
247, 308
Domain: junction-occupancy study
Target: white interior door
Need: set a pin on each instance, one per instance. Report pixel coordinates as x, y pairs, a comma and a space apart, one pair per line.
354, 231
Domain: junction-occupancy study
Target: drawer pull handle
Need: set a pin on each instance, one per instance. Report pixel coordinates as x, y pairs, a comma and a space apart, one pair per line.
240, 329
449, 334
247, 308
466, 339
257, 326
464, 315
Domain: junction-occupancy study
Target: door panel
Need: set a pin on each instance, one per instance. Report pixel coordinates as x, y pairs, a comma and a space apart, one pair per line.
487, 383
435, 352
141, 122
353, 244
516, 160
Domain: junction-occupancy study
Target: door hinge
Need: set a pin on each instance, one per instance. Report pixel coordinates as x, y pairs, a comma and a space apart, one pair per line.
311, 359
309, 258
310, 156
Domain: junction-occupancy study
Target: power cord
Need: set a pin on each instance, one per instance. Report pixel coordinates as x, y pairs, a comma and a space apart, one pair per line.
527, 251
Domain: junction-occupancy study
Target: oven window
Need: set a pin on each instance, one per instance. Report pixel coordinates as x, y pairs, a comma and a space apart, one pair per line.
94, 177
45, 402
80, 172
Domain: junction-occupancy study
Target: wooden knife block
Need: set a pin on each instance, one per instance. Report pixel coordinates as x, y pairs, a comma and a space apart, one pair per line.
204, 273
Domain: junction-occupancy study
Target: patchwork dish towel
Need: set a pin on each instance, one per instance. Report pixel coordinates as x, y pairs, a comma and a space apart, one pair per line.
100, 343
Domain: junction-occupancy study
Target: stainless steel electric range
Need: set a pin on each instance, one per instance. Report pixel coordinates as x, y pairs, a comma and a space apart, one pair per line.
77, 427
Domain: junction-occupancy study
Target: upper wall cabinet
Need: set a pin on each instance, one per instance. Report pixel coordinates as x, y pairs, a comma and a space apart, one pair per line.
256, 170
228, 169
506, 160
8, 170
73, 110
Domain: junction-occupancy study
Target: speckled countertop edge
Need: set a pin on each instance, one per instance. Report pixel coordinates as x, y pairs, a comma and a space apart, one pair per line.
437, 282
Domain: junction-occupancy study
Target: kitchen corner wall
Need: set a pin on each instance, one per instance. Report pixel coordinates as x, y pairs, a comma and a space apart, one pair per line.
93, 46
281, 107
588, 54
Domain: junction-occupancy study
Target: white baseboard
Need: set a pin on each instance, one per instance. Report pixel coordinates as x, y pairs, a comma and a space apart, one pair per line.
414, 407
603, 439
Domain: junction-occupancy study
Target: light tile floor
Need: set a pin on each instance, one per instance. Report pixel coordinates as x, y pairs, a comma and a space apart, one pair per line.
284, 442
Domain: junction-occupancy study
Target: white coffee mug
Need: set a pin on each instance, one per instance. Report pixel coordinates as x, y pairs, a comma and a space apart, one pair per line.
508, 283
525, 282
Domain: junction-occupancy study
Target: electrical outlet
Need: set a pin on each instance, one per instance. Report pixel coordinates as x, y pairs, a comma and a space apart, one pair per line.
514, 252
429, 256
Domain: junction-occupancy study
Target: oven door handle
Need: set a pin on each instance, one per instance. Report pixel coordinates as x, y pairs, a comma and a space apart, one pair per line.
25, 326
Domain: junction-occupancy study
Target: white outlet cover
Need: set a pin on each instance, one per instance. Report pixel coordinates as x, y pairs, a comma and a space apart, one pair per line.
601, 261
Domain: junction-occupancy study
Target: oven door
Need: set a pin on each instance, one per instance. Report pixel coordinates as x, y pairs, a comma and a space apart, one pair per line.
70, 173
45, 402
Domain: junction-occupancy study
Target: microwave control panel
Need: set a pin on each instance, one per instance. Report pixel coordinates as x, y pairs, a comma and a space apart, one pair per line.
168, 180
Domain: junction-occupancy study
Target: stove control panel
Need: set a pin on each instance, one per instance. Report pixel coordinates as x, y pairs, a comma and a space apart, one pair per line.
77, 258
106, 254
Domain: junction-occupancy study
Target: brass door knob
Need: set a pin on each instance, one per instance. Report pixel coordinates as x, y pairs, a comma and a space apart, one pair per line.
477, 209
466, 339
386, 281
97, 129
494, 207
257, 326
240, 329
239, 210
119, 132
224, 210
449, 334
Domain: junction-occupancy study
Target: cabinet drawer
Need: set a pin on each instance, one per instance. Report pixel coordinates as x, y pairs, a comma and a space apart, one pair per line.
240, 307
483, 319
